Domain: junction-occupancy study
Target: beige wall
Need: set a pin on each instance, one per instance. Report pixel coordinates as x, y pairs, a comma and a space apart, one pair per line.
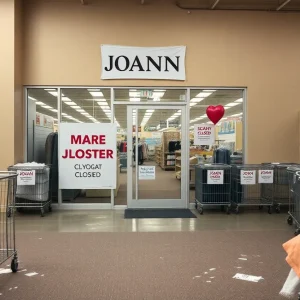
10, 83
258, 50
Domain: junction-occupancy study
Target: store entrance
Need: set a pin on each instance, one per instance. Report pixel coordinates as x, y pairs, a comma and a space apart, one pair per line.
156, 143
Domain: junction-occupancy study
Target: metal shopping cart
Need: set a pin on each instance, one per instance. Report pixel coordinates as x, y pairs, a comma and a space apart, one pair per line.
8, 185
280, 189
32, 187
247, 182
213, 186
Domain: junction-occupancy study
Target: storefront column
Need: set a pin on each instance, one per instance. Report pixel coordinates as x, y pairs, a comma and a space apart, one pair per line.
11, 92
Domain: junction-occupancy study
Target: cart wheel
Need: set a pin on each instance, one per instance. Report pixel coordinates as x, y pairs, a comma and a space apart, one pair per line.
297, 231
290, 220
200, 210
260, 207
277, 209
14, 265
228, 210
270, 210
42, 212
236, 210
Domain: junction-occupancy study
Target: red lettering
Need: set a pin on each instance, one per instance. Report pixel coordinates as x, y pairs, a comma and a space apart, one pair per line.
75, 139
102, 139
88, 154
110, 153
79, 153
86, 140
94, 139
102, 153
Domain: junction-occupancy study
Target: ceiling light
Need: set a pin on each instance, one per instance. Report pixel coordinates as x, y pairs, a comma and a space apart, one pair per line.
203, 94
47, 106
226, 107
63, 114
71, 103
54, 110
231, 104
66, 99
50, 90
80, 110
85, 113
40, 103
93, 90
150, 110
177, 114
96, 94
76, 107
239, 100
196, 100
31, 98
102, 103
209, 91
193, 104
53, 93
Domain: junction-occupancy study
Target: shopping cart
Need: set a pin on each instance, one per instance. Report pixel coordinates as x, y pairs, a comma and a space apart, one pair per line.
213, 186
280, 188
33, 195
8, 185
294, 206
247, 183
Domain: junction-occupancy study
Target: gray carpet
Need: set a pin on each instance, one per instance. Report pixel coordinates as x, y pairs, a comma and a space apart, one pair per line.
154, 266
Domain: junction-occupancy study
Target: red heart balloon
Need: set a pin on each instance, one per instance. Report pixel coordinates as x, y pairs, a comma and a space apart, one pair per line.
215, 113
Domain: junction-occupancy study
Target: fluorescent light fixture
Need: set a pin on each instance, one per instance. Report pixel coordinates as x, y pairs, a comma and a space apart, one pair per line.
203, 94
177, 114
105, 107
66, 99
93, 90
226, 107
135, 99
209, 91
102, 103
193, 104
71, 103
53, 93
107, 110
149, 110
85, 113
54, 110
80, 110
40, 103
239, 100
96, 94
47, 106
196, 100
49, 90
64, 114
76, 107
159, 90
31, 98
98, 100
232, 104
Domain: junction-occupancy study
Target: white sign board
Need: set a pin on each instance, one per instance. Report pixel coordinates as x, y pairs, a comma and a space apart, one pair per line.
87, 156
122, 62
215, 177
248, 177
265, 176
146, 172
204, 134
26, 177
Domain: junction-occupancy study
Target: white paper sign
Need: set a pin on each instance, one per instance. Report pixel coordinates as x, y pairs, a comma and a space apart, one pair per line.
215, 177
87, 156
146, 172
248, 177
247, 277
204, 134
122, 62
26, 177
265, 176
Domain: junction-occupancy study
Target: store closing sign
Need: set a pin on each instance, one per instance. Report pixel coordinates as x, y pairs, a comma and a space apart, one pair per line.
87, 158
147, 172
265, 176
204, 134
121, 62
248, 177
215, 177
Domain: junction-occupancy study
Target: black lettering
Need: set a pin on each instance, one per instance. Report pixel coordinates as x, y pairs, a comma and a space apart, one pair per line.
111, 63
137, 63
169, 60
126, 61
153, 62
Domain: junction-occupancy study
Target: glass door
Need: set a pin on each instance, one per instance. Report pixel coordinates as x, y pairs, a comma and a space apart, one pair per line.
156, 145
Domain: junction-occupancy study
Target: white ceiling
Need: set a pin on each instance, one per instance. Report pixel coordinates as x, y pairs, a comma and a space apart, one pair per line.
86, 108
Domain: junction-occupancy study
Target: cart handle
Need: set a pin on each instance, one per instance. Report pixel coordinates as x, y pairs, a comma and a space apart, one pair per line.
7, 174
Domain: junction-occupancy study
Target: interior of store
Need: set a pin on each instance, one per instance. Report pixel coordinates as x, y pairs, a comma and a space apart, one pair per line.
157, 135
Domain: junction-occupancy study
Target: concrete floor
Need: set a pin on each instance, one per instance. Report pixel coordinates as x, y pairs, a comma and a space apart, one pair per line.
113, 221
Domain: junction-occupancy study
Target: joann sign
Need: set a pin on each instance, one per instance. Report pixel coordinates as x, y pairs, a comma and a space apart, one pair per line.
119, 62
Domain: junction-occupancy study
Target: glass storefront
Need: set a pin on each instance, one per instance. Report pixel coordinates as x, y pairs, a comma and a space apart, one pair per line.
155, 130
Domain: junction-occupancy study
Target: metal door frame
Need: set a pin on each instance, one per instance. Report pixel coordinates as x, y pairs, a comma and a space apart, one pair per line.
135, 202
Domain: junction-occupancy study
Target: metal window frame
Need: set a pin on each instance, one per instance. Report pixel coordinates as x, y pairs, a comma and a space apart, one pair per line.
186, 103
